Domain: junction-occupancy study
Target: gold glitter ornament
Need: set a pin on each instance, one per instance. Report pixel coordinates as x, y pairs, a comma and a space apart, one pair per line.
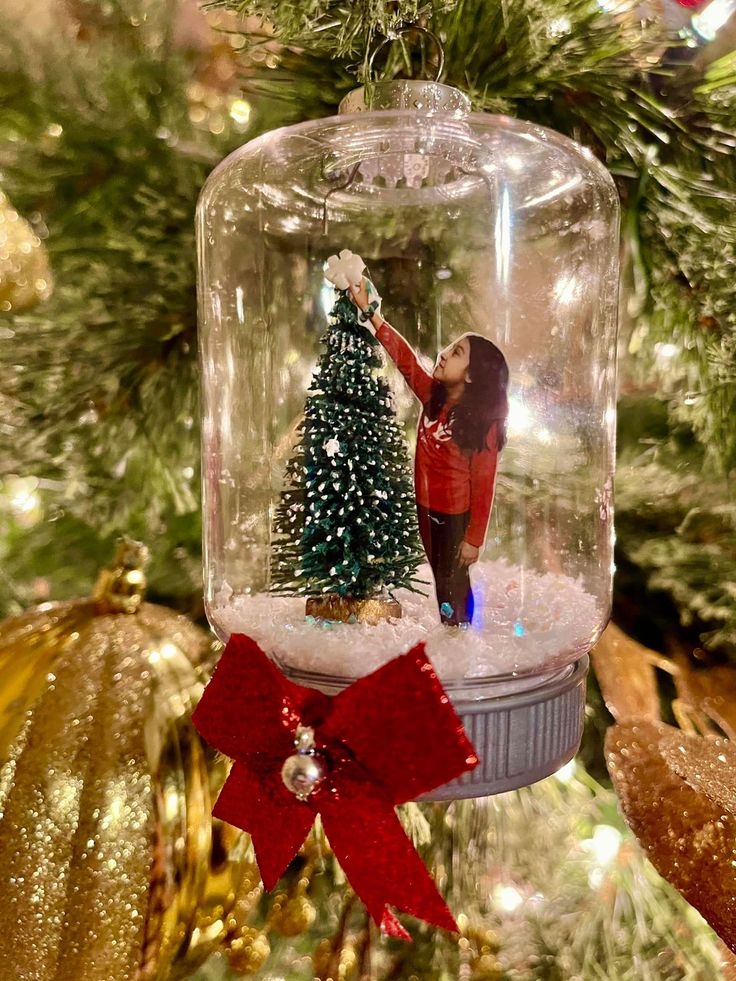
248, 950
25, 276
292, 916
111, 868
689, 837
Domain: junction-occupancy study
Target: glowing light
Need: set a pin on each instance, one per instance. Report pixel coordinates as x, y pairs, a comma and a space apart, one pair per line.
240, 111
507, 898
23, 501
520, 416
544, 436
566, 289
559, 26
566, 773
114, 811
604, 845
708, 22
171, 802
291, 223
667, 350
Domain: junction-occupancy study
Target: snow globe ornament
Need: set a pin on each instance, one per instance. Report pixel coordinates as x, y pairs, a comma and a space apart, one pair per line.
408, 318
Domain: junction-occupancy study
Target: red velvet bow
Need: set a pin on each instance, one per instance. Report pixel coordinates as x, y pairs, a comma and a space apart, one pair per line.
387, 738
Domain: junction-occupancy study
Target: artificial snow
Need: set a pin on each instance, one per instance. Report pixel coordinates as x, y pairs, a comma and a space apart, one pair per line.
524, 623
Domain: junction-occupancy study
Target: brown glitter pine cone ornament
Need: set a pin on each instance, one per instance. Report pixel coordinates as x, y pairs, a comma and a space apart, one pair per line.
676, 786
110, 864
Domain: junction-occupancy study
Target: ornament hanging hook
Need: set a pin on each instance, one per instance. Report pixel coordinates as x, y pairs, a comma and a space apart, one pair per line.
400, 31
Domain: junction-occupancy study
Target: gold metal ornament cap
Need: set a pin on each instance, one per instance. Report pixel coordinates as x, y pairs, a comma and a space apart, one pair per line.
121, 587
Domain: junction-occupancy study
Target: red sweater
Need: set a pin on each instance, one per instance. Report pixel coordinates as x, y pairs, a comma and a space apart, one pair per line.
445, 478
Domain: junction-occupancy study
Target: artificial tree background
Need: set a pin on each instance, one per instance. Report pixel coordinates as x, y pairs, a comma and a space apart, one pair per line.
111, 115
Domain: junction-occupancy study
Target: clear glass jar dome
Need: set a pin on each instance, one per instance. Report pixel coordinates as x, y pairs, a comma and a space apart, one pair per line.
467, 223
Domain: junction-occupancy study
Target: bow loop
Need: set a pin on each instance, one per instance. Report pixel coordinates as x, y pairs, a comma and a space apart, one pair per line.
248, 694
402, 727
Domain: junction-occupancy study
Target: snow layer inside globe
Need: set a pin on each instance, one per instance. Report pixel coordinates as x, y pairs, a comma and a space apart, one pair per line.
562, 623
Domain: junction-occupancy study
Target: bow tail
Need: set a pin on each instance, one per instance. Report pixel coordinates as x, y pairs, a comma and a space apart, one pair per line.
379, 860
277, 822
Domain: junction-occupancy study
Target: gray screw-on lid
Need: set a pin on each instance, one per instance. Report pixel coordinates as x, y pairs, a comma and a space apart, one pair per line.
520, 738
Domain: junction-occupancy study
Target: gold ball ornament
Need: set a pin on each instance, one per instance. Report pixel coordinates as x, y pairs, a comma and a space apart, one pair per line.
248, 951
111, 866
25, 276
292, 916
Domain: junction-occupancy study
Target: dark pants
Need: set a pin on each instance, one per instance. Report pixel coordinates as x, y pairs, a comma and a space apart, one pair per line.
441, 536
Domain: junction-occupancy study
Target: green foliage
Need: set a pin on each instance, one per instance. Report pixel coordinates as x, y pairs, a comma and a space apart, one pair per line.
672, 525
331, 26
546, 884
100, 382
346, 522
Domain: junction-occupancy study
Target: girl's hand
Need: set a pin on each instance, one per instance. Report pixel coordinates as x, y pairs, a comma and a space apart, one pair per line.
359, 294
467, 554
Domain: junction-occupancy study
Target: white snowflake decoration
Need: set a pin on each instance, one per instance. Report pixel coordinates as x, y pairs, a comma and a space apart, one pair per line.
331, 447
344, 270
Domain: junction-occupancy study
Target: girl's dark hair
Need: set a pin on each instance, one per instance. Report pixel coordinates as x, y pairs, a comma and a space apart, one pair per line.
484, 400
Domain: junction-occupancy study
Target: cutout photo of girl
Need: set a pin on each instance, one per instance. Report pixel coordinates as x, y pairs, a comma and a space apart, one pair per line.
461, 431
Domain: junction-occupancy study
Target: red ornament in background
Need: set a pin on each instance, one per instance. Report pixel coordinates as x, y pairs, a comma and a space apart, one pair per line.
691, 3
383, 741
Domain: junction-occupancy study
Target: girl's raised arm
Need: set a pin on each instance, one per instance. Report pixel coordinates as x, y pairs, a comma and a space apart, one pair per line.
417, 377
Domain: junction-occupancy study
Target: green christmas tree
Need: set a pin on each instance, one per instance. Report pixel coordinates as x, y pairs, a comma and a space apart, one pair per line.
346, 522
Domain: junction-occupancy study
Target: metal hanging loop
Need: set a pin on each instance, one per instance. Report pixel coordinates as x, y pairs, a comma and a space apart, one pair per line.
400, 32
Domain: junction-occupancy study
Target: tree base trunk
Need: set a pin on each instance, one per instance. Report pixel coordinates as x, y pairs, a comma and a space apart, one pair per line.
331, 606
